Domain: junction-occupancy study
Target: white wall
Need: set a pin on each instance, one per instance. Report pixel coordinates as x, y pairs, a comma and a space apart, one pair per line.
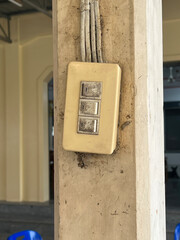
2, 126
171, 30
25, 69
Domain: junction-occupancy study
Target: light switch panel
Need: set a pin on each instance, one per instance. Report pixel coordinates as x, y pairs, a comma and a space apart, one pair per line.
92, 107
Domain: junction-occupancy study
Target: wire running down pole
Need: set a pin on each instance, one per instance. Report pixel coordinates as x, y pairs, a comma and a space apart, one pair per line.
91, 48
83, 52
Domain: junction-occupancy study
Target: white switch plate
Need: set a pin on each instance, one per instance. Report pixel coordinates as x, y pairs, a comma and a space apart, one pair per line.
83, 131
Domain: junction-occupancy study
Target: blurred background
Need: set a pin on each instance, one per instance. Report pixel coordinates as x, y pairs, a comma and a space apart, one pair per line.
171, 70
27, 116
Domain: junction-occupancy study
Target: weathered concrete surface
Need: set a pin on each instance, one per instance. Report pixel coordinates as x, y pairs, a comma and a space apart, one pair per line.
149, 132
98, 196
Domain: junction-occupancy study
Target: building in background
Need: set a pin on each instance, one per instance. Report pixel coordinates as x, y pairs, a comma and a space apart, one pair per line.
26, 120
26, 68
171, 36
26, 108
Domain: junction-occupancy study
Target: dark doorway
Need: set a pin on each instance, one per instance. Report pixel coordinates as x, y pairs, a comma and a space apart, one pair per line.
51, 137
172, 144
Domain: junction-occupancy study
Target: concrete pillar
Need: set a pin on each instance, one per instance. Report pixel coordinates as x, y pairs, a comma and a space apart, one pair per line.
2, 128
13, 124
120, 196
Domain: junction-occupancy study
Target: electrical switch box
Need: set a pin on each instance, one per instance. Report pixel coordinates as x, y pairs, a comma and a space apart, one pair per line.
92, 107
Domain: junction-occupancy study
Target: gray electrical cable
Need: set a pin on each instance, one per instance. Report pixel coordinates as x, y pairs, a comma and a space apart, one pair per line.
83, 53
98, 31
87, 31
91, 48
93, 32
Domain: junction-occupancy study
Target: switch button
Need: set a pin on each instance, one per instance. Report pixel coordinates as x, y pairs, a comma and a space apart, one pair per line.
91, 90
88, 125
89, 107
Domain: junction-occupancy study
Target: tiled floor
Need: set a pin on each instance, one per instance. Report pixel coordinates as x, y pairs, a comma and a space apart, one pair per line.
39, 217
172, 206
173, 193
15, 217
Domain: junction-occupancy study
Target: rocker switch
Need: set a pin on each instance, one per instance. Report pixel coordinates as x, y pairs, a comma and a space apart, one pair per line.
89, 107
91, 90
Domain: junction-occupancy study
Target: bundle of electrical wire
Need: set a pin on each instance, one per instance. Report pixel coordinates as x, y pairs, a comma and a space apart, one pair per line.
91, 49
